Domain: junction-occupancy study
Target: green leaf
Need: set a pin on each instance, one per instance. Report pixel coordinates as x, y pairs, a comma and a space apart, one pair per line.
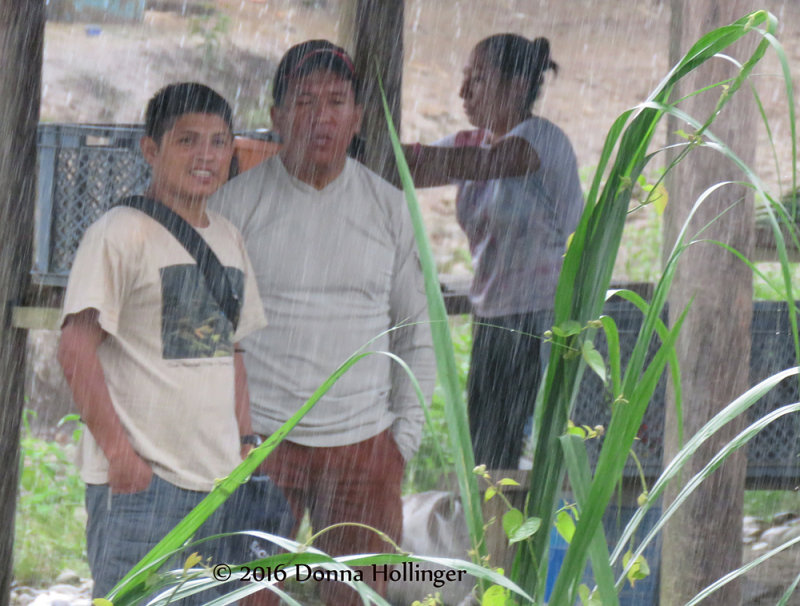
594, 360
577, 461
614, 362
495, 596
567, 329
528, 528
565, 525
69, 418
659, 198
575, 430
588, 597
490, 492
512, 520
638, 570
193, 560
455, 410
508, 482
102, 602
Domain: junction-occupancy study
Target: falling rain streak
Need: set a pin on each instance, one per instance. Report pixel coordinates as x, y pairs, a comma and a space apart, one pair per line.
101, 70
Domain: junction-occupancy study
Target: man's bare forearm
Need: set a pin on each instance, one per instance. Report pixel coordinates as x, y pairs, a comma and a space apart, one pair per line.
77, 354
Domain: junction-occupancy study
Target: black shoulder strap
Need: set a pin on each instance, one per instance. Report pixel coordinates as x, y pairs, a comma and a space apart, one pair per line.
217, 281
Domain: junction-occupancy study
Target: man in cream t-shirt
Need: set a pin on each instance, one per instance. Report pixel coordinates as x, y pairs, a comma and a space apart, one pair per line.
149, 354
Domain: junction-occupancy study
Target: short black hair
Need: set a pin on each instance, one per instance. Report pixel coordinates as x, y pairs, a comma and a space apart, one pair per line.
175, 100
309, 56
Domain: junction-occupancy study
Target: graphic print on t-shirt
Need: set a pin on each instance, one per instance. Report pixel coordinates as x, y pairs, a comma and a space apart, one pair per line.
192, 323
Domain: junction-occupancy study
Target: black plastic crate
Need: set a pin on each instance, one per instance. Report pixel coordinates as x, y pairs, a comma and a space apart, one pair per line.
772, 456
593, 404
83, 170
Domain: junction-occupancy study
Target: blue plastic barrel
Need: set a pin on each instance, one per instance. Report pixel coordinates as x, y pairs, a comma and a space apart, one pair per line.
558, 548
645, 591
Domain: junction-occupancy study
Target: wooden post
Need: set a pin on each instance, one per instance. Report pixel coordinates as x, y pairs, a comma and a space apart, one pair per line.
21, 43
703, 542
374, 35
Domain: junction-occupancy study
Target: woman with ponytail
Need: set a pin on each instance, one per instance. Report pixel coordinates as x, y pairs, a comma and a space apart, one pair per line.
519, 199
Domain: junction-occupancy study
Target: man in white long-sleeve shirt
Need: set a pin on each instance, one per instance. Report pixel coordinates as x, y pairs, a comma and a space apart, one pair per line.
336, 264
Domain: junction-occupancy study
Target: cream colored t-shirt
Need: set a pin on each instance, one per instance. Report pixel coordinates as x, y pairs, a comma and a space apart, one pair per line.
168, 359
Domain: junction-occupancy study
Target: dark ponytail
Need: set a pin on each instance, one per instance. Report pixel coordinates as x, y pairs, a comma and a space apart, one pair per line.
515, 55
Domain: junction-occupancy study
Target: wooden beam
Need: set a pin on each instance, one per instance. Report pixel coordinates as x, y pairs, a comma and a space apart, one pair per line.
36, 318
702, 542
373, 34
21, 44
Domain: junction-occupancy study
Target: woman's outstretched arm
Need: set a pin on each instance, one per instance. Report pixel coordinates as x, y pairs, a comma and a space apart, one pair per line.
432, 165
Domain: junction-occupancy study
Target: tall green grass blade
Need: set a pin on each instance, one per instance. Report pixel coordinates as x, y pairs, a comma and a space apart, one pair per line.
626, 418
788, 82
776, 288
585, 277
577, 463
740, 572
765, 121
736, 408
612, 339
175, 539
732, 446
661, 330
789, 591
455, 410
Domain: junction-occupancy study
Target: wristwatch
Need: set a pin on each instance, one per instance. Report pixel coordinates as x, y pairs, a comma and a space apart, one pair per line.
252, 438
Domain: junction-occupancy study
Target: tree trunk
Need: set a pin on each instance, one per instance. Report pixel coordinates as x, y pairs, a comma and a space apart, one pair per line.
703, 541
21, 43
376, 41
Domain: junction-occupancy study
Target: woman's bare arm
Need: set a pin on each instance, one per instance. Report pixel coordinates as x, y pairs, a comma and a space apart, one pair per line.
432, 166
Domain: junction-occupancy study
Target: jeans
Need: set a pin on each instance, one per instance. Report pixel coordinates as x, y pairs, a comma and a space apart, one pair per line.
122, 528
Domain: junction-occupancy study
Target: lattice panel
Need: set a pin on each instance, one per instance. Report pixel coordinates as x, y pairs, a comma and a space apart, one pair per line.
88, 182
772, 455
593, 405
84, 169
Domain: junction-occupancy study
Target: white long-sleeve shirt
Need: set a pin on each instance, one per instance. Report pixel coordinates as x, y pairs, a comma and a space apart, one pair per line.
336, 268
